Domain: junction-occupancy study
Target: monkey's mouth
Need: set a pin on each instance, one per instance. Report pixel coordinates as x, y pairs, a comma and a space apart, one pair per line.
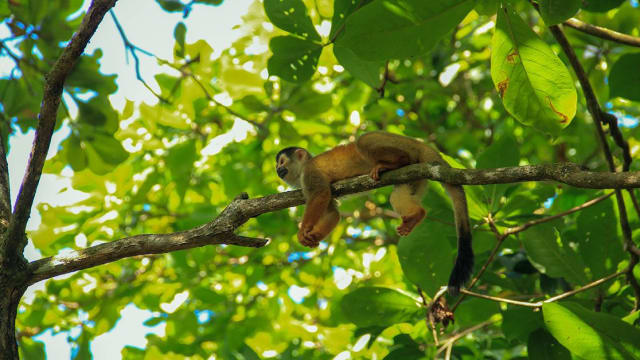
282, 172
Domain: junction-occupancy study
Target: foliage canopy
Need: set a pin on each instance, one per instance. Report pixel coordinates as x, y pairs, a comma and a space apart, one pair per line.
485, 82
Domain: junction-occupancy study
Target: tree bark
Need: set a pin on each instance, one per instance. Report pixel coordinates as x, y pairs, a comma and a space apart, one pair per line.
12, 287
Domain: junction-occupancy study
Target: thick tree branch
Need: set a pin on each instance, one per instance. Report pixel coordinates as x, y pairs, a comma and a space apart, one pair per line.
221, 229
218, 231
14, 244
603, 33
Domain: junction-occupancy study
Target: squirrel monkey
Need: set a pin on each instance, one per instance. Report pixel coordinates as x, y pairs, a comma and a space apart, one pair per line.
371, 154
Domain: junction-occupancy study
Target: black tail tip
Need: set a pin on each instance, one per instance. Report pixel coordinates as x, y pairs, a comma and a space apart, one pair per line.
461, 272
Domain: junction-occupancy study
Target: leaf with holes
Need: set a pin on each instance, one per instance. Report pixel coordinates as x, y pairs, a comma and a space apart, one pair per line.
534, 84
367, 71
341, 11
291, 16
293, 59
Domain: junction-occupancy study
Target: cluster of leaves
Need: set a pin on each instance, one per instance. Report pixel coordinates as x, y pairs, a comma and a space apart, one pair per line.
481, 81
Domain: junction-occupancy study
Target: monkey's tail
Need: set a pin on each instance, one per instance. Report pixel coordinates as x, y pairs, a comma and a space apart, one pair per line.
464, 261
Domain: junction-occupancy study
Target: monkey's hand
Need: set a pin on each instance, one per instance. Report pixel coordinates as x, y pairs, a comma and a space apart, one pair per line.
375, 172
308, 237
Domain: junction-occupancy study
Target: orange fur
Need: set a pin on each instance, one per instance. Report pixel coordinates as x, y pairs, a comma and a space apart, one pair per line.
371, 154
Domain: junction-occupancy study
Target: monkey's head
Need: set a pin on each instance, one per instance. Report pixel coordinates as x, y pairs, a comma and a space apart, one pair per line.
289, 164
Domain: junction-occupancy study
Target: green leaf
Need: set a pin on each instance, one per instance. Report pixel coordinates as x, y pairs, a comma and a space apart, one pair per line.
341, 11
309, 106
164, 116
535, 86
293, 59
179, 34
425, 255
398, 29
291, 16
180, 159
600, 248
171, 5
501, 153
542, 346
520, 322
109, 149
600, 5
554, 12
75, 155
633, 318
475, 311
591, 335
30, 349
367, 71
378, 306
95, 162
551, 255
97, 112
86, 75
625, 77
487, 7
404, 347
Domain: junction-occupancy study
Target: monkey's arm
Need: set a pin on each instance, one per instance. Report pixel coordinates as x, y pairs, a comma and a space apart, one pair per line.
317, 191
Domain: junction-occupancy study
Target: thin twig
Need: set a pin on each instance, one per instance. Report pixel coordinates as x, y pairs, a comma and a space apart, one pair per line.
130, 47
449, 342
538, 304
385, 78
600, 118
525, 226
514, 230
499, 299
428, 317
583, 288
603, 33
228, 109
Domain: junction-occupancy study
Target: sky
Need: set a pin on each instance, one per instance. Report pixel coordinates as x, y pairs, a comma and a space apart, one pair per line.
152, 32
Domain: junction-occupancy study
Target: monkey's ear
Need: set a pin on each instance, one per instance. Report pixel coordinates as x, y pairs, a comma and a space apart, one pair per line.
302, 154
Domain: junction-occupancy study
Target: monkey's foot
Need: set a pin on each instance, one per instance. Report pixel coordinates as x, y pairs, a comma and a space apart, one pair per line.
308, 238
409, 222
375, 172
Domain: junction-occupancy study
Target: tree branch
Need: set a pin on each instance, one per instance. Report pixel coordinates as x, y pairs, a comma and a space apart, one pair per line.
5, 195
15, 241
218, 231
221, 229
603, 33
538, 304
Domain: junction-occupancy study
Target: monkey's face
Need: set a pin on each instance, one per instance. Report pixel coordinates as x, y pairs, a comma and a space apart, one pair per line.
289, 165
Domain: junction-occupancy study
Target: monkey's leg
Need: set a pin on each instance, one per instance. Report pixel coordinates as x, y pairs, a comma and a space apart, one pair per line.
325, 225
387, 151
405, 200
